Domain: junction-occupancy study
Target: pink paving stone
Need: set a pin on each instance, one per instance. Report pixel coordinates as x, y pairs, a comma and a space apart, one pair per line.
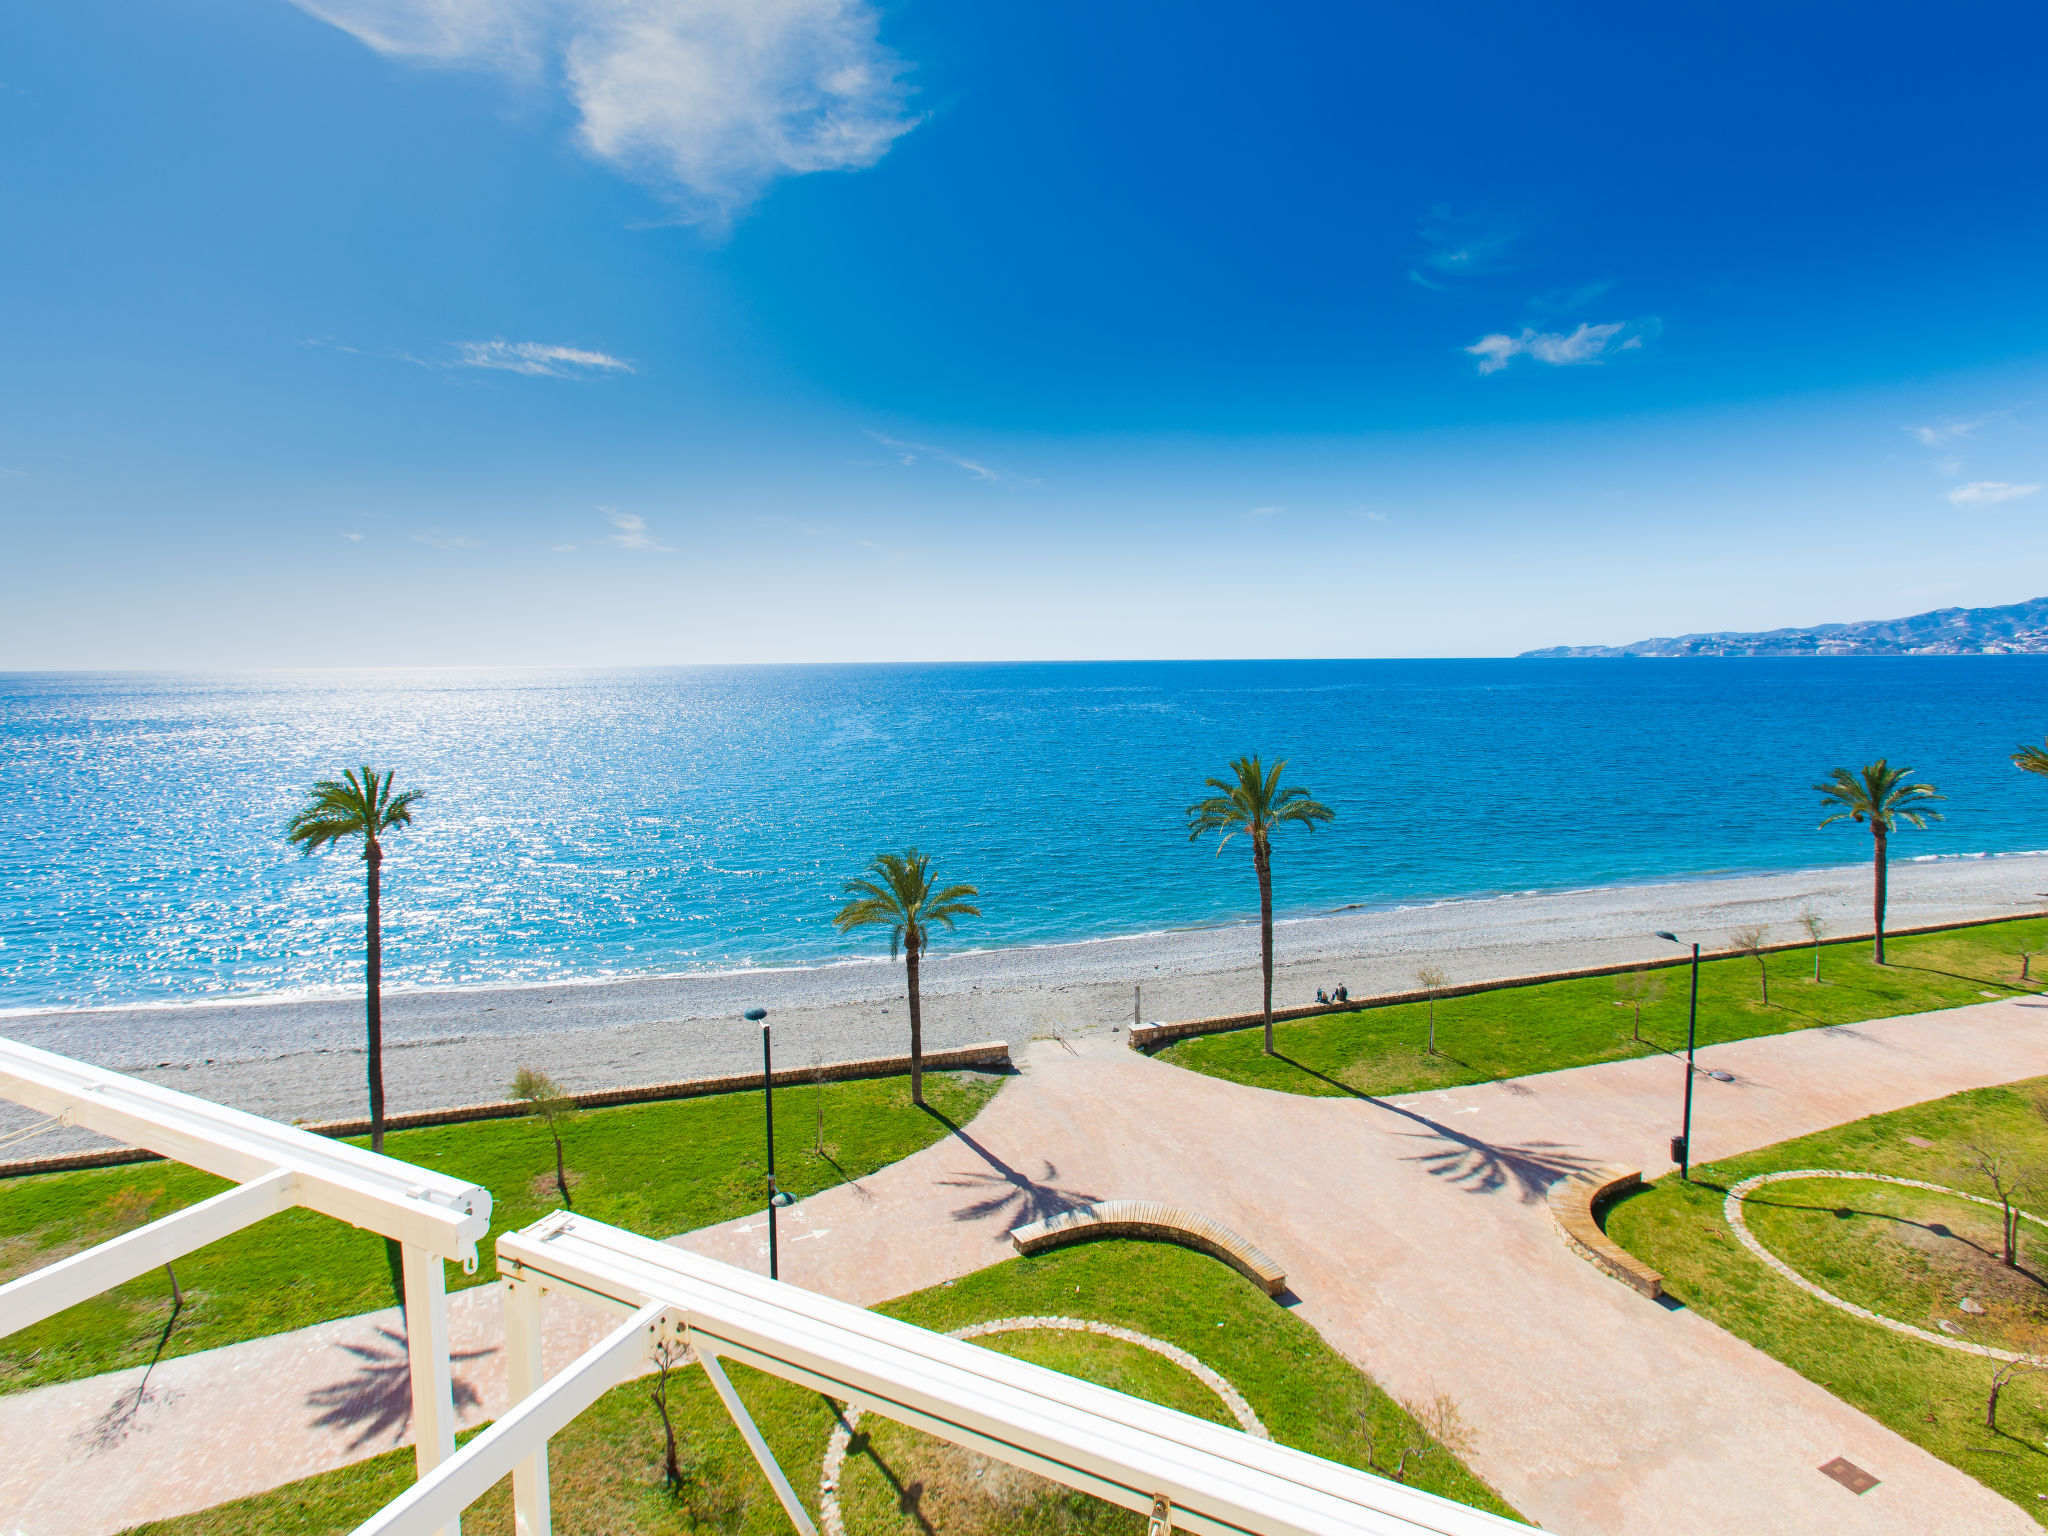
1413, 1233
235, 1421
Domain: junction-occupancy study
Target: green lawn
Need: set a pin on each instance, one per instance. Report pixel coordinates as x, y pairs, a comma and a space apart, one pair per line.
656, 1168
1515, 1031
606, 1466
1908, 1255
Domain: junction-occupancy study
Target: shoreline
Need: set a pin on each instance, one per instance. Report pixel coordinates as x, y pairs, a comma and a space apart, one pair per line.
304, 1059
685, 981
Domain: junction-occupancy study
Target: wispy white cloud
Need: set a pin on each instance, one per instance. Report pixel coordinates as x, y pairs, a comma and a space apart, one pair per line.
538, 359
1456, 245
910, 453
633, 532
1265, 512
564, 549
353, 538
1989, 490
710, 100
1588, 344
1949, 429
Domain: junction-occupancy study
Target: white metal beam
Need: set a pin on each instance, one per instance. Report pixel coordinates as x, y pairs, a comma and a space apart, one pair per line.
524, 1373
428, 1210
432, 1378
49, 1290
750, 1432
439, 1498
1218, 1481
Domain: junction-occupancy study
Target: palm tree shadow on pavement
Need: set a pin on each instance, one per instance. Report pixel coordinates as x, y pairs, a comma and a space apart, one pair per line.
1473, 1164
1004, 1187
376, 1398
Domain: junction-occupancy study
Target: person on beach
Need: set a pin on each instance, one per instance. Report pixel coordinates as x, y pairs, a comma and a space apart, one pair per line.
1320, 996
1342, 995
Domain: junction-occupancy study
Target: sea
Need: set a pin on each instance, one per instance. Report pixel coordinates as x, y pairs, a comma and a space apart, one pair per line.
617, 823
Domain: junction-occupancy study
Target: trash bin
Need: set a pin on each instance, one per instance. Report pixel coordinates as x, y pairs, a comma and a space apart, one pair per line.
1678, 1150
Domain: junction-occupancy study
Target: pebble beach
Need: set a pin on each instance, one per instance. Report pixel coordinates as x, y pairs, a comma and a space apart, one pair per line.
301, 1058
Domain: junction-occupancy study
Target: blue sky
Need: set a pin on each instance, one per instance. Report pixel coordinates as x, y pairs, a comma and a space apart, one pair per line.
644, 331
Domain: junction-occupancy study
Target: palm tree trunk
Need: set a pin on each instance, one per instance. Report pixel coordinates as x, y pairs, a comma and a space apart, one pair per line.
373, 858
916, 1029
1262, 859
1877, 880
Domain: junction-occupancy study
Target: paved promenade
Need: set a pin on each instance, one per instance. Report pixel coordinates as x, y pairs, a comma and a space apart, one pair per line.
1416, 1239
1413, 1231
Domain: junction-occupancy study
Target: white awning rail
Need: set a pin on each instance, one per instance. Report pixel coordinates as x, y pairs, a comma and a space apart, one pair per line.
444, 1216
1217, 1481
432, 1216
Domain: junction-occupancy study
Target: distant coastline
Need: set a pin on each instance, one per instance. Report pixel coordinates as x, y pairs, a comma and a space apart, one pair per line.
2018, 629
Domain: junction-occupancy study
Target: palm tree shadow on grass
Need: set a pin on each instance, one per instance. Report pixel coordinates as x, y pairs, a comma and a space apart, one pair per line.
376, 1398
1005, 1189
1477, 1166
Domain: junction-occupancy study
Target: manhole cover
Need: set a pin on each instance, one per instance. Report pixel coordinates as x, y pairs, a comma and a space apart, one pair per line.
1849, 1475
1721, 1077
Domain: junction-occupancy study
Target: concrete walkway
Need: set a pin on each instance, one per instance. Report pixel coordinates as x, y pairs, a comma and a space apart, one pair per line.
1414, 1234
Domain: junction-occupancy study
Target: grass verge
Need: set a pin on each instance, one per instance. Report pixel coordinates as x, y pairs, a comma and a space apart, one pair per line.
1515, 1031
606, 1467
655, 1168
1909, 1255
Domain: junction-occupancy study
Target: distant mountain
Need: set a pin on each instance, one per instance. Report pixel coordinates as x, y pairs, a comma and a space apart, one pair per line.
2019, 629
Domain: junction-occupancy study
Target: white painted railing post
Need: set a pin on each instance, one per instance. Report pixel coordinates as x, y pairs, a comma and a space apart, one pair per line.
524, 1372
426, 1347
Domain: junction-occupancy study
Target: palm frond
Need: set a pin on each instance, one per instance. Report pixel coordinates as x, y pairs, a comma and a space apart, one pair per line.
902, 897
1878, 793
1252, 801
358, 804
2031, 760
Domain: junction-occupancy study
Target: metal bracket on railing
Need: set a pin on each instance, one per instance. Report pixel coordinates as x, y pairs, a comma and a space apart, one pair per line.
1161, 1523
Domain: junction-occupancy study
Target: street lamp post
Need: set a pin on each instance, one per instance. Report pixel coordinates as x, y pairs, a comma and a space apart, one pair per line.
775, 1196
1681, 1144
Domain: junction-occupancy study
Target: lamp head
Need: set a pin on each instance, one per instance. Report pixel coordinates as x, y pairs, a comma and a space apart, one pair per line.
1674, 938
755, 1015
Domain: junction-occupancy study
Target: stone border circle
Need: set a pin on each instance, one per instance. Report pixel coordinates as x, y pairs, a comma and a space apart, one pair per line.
832, 1523
1731, 1211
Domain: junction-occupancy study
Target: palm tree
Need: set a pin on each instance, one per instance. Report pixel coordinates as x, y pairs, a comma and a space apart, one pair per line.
1254, 803
901, 897
360, 804
1883, 796
2031, 760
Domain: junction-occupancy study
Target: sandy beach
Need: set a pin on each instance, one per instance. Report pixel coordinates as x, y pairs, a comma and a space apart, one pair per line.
303, 1058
